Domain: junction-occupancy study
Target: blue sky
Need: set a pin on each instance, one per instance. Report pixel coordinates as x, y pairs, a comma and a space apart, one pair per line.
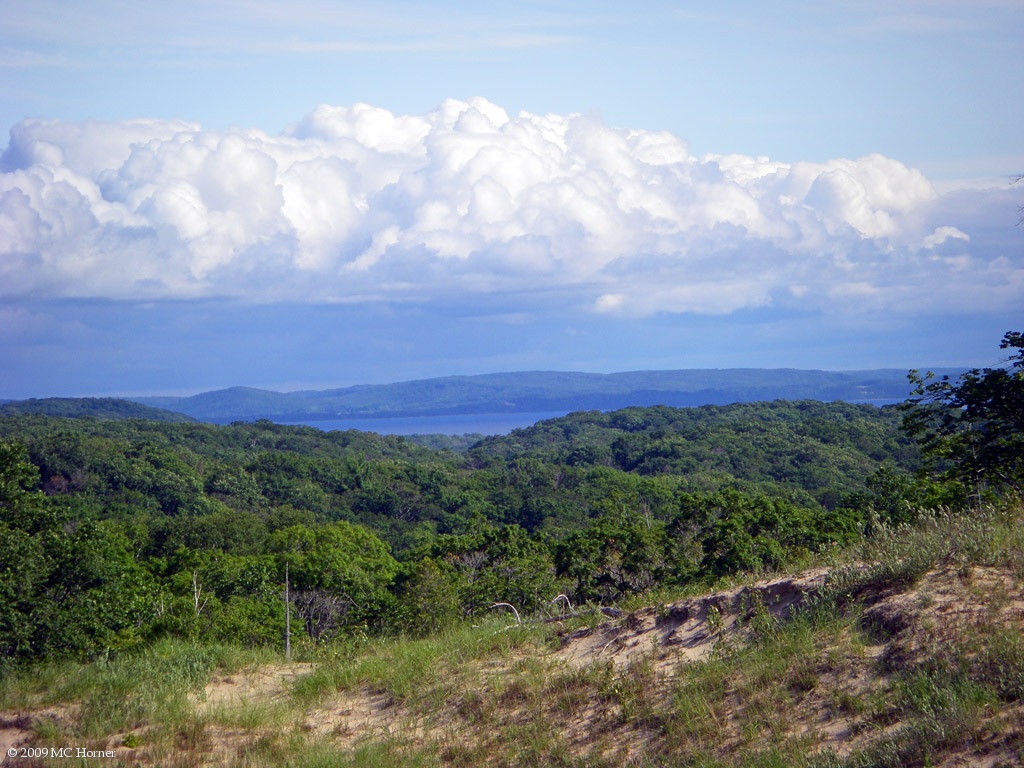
201, 194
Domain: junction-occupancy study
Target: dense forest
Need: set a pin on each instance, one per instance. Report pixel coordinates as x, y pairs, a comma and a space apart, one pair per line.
116, 532
97, 407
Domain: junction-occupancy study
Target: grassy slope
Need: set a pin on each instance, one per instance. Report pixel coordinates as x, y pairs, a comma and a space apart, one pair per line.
914, 659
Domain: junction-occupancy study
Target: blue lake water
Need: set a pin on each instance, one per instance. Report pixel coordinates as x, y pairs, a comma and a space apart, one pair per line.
461, 424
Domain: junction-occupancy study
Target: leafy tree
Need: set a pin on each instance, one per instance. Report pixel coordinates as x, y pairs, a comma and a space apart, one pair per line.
972, 430
225, 597
340, 573
427, 595
496, 564
891, 495
234, 486
67, 586
743, 532
619, 554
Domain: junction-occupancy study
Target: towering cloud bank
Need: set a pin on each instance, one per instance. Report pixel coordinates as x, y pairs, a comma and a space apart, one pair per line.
358, 204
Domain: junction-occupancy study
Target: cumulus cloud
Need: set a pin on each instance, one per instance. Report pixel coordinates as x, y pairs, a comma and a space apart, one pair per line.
356, 203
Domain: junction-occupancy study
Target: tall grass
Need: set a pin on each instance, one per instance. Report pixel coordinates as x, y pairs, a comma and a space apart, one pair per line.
155, 690
414, 670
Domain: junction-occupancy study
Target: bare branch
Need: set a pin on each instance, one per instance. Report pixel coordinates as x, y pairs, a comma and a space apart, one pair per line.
509, 605
567, 601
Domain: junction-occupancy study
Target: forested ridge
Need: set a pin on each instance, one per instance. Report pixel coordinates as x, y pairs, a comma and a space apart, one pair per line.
97, 407
541, 391
133, 529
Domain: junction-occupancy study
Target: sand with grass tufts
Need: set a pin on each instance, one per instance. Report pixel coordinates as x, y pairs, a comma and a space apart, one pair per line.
887, 666
689, 630
263, 683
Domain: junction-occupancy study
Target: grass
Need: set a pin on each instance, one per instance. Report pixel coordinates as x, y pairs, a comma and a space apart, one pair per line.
113, 701
414, 670
815, 691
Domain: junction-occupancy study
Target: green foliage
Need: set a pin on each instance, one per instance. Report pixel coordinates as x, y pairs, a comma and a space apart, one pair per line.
815, 452
617, 556
146, 529
91, 407
972, 430
754, 533
496, 564
340, 574
67, 587
428, 596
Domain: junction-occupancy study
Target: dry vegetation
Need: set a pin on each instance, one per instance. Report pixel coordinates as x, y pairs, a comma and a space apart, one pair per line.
906, 651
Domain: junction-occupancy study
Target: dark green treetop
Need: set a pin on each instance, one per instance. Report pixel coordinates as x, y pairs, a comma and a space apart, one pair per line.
972, 430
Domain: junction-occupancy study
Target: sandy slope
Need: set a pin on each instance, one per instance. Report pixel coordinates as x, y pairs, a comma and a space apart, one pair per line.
901, 625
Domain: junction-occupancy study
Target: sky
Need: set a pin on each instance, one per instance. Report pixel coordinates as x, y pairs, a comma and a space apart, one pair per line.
196, 195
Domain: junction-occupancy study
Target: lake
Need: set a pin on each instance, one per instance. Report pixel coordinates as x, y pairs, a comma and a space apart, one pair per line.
460, 424
463, 424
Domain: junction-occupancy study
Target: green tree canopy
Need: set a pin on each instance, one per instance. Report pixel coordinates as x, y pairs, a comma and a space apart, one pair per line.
67, 586
972, 430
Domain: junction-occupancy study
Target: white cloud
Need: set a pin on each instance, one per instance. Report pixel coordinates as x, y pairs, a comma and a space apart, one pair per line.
942, 234
356, 203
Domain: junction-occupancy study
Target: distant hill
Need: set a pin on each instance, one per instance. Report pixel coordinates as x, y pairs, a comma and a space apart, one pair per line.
92, 407
542, 391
